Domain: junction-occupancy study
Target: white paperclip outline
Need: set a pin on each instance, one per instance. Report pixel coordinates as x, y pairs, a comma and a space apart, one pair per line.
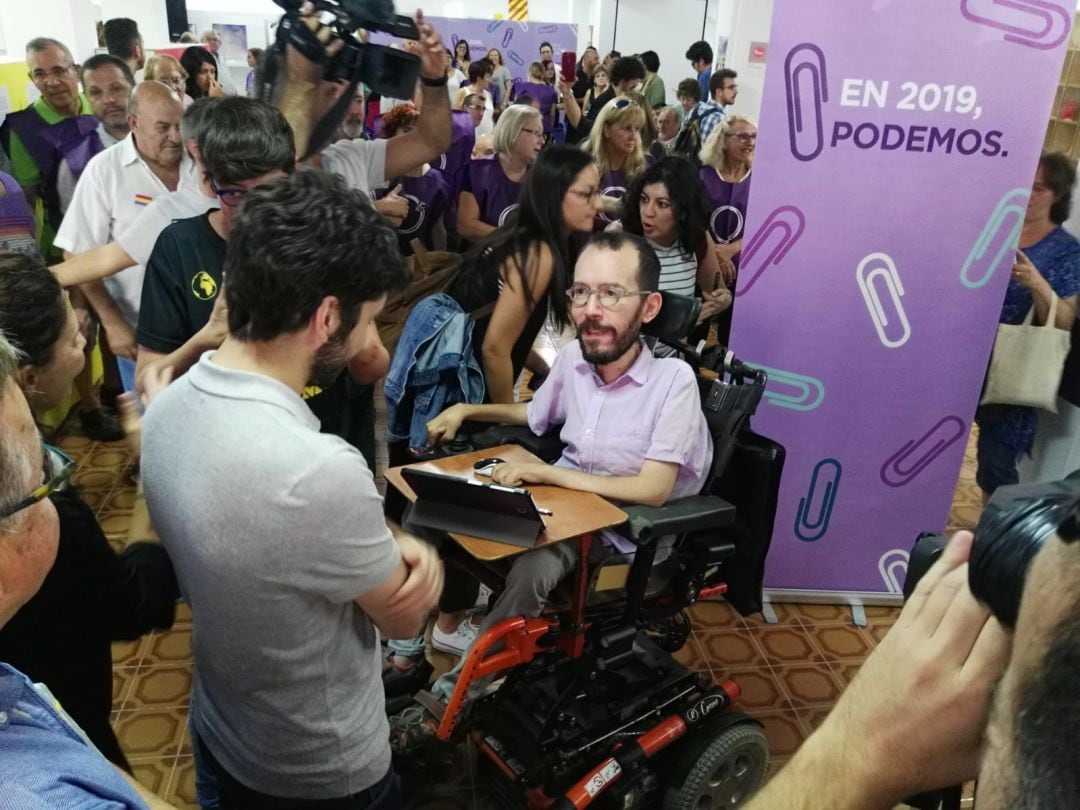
993, 227
886, 269
889, 563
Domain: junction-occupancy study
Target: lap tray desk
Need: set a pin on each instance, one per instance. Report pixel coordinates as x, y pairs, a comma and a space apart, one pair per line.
574, 514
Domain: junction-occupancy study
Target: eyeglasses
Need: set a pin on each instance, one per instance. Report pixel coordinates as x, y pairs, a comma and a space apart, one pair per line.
536, 133
57, 481
475, 107
588, 196
609, 296
58, 73
744, 137
231, 197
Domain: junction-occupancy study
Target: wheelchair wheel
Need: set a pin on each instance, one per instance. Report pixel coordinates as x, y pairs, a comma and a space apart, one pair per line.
714, 770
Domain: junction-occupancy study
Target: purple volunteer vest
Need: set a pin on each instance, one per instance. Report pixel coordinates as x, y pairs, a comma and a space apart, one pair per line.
429, 198
545, 94
496, 194
727, 205
462, 141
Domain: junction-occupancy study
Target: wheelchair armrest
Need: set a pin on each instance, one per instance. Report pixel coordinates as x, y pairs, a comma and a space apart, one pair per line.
547, 447
694, 514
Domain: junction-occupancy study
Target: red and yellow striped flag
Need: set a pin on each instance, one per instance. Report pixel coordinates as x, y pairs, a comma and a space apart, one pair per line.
519, 10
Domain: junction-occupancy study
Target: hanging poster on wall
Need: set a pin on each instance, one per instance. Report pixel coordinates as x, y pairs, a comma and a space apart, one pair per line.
894, 163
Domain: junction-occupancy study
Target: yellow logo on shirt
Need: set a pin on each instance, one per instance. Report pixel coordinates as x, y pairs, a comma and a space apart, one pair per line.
203, 286
310, 391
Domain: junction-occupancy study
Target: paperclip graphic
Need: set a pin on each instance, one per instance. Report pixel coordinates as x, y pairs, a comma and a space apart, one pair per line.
514, 57
509, 35
881, 266
524, 26
893, 567
806, 127
1044, 17
789, 222
1014, 203
548, 29
492, 27
916, 455
809, 392
810, 529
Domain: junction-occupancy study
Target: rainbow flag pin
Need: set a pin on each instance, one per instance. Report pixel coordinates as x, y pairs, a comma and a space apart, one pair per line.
143, 199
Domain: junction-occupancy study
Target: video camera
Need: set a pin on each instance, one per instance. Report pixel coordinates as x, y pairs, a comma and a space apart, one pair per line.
387, 71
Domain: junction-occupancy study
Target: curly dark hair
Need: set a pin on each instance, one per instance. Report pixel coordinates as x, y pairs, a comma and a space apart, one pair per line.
626, 68
479, 69
687, 196
243, 138
32, 312
1059, 173
296, 241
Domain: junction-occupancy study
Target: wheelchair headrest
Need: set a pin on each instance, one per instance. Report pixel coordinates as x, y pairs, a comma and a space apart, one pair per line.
677, 317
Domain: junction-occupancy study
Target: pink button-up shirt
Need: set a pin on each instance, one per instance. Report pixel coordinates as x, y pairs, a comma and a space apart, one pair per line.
651, 412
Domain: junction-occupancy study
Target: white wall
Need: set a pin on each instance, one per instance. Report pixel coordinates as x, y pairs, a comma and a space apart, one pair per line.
151, 16
751, 22
70, 21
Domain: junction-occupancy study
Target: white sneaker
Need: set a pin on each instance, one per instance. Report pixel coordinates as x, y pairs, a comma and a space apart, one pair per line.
455, 643
482, 597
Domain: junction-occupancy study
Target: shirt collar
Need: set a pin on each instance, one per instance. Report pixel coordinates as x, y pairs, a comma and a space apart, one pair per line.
232, 384
638, 371
128, 152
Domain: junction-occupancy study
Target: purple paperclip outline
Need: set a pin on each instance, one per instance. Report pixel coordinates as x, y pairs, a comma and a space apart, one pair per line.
1034, 7
924, 462
771, 223
507, 37
794, 102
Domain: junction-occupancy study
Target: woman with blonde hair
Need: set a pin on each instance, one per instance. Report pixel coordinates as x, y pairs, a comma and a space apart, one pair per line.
168, 70
490, 187
616, 146
726, 160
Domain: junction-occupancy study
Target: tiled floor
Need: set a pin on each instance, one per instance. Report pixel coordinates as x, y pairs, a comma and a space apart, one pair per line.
790, 673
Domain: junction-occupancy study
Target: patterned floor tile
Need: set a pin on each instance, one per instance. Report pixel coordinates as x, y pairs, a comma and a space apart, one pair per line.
181, 790
836, 643
151, 734
160, 687
122, 678
760, 691
128, 653
785, 645
730, 649
784, 732
171, 647
153, 774
809, 685
693, 656
714, 616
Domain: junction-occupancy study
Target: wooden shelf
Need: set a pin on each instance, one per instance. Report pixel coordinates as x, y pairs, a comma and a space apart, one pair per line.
1063, 132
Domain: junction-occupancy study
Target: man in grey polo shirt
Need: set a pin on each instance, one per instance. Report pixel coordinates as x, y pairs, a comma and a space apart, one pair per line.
277, 531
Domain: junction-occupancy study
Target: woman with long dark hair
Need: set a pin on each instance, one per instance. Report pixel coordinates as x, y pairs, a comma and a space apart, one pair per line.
202, 78
461, 59
525, 267
666, 204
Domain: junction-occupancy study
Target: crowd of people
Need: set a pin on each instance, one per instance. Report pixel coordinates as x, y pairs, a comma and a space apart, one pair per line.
240, 296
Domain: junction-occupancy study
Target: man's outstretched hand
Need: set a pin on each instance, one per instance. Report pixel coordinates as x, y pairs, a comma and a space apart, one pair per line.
914, 716
429, 47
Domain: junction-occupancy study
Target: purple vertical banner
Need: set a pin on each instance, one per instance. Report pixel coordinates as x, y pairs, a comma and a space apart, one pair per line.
519, 42
894, 163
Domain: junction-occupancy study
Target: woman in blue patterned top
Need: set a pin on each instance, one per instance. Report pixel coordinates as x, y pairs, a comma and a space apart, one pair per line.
1047, 264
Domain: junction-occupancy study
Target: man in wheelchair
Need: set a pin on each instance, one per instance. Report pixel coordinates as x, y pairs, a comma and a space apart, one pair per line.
632, 425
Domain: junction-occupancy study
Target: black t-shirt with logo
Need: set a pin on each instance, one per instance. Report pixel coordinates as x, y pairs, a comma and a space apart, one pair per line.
182, 282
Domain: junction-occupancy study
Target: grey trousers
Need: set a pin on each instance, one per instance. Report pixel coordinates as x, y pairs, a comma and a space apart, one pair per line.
532, 578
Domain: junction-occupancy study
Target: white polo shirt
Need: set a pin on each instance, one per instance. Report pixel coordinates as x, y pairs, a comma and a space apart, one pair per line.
113, 190
187, 201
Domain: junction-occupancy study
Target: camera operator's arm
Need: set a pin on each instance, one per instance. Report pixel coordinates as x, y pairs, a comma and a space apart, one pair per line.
915, 713
431, 135
302, 99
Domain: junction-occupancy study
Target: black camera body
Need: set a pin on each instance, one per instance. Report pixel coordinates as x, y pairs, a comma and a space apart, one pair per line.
388, 71
1013, 527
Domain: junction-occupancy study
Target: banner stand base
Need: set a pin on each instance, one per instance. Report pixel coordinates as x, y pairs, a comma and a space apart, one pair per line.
856, 600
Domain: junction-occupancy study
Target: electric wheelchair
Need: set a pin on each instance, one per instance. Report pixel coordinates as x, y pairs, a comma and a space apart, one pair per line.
593, 710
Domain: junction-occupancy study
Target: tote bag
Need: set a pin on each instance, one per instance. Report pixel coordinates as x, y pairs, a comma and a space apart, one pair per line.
1026, 366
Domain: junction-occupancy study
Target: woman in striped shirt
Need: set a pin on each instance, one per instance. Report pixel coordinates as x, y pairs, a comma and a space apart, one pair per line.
666, 204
